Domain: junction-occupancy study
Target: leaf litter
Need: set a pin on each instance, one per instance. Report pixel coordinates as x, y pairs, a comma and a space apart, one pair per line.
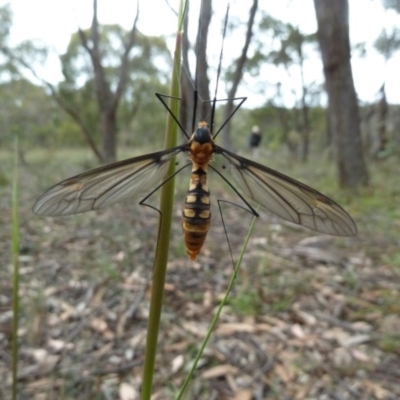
310, 316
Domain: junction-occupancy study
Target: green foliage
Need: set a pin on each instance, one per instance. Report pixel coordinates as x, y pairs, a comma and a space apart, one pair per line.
5, 22
69, 134
388, 43
391, 343
247, 302
393, 260
28, 112
142, 120
290, 42
4, 182
140, 115
269, 118
7, 68
23, 55
392, 4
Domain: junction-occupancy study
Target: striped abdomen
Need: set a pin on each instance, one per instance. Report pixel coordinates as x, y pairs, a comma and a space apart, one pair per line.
196, 211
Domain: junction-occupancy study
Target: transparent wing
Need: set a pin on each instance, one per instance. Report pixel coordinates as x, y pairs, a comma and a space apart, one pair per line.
286, 197
104, 186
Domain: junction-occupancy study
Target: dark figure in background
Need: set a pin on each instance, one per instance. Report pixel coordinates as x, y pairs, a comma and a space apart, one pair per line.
254, 140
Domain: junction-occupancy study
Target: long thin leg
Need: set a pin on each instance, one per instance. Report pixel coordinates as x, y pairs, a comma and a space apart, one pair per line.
160, 97
142, 202
252, 210
223, 223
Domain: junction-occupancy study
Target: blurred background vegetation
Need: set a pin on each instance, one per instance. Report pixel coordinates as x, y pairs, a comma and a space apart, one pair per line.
110, 75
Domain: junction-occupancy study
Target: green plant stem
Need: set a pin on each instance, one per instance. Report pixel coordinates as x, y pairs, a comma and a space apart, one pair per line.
15, 261
219, 310
166, 210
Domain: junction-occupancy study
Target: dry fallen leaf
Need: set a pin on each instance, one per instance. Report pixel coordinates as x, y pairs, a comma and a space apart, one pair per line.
68, 311
208, 299
38, 354
242, 394
195, 328
360, 355
341, 357
177, 363
233, 327
99, 325
218, 371
58, 345
297, 331
356, 339
127, 392
282, 373
378, 391
120, 256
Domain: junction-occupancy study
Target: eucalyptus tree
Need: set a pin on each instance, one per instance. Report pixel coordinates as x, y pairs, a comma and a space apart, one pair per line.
333, 37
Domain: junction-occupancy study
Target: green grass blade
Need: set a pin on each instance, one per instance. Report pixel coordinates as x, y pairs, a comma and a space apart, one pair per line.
164, 234
219, 310
15, 261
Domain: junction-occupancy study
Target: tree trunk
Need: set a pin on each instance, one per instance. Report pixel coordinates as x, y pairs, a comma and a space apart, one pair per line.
333, 37
202, 81
187, 88
109, 130
304, 109
382, 117
107, 98
237, 77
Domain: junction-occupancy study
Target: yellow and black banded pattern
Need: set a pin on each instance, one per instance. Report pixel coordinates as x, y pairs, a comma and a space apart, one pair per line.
196, 211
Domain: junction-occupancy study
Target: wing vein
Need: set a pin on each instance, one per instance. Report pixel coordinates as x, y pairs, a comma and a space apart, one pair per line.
106, 185
286, 197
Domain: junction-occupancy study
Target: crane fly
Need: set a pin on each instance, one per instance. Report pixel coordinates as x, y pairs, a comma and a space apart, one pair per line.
283, 196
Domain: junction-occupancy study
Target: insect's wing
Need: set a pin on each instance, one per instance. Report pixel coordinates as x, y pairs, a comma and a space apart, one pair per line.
286, 197
104, 186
